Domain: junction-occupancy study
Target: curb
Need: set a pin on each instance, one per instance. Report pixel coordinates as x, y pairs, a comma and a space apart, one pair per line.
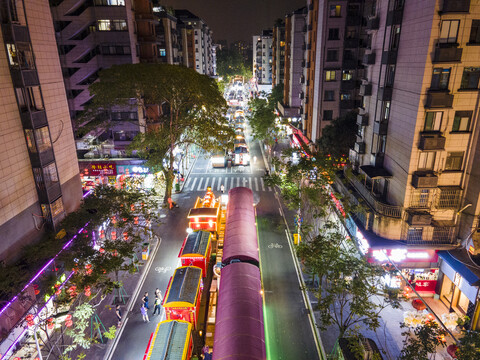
188, 174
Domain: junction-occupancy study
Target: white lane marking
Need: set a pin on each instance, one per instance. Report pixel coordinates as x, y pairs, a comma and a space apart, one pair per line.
206, 184
187, 183
231, 183
193, 184
200, 184
262, 183
213, 183
238, 181
250, 183
256, 184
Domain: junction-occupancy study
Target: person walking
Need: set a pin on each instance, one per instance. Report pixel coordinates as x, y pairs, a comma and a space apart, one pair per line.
143, 311
157, 303
222, 188
145, 300
118, 312
158, 293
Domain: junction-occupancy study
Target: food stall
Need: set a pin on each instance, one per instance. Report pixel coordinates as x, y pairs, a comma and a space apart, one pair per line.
196, 250
184, 291
172, 339
205, 214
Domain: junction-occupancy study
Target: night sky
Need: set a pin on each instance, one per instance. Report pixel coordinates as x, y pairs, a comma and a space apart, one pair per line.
237, 20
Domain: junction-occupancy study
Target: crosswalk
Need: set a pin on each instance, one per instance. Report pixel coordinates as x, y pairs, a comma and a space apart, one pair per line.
200, 183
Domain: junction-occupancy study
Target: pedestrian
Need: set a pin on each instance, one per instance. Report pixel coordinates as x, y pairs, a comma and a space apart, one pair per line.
222, 188
118, 312
157, 303
145, 300
143, 311
158, 293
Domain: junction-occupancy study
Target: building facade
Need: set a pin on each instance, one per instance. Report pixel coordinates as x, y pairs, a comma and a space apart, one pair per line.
417, 140
262, 57
40, 176
278, 53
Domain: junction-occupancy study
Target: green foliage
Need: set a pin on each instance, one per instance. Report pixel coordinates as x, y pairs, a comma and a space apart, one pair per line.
190, 110
423, 341
110, 334
469, 346
230, 63
338, 137
78, 333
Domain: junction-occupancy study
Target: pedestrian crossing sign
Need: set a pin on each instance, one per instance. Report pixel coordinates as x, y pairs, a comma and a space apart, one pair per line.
297, 238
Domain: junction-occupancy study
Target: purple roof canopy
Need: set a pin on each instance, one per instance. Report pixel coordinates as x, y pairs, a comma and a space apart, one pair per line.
239, 330
240, 240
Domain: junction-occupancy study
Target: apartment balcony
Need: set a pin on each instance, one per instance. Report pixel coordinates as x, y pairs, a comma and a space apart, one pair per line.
419, 218
429, 141
374, 202
447, 55
369, 59
424, 179
394, 17
362, 119
373, 23
347, 104
389, 57
351, 43
21, 78
348, 85
359, 147
350, 63
376, 160
441, 99
380, 128
450, 197
51, 193
456, 6
354, 18
365, 90
34, 119
15, 33
435, 234
301, 95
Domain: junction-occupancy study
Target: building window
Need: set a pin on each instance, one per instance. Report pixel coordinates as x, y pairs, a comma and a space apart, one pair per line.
449, 31
475, 32
50, 175
345, 96
327, 114
440, 79
470, 78
415, 233
433, 120
42, 138
329, 95
57, 207
426, 160
109, 2
330, 75
335, 10
454, 161
332, 55
348, 75
333, 34
115, 50
112, 25
162, 52
385, 110
461, 121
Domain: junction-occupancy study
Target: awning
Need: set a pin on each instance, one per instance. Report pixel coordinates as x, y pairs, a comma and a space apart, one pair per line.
374, 172
459, 260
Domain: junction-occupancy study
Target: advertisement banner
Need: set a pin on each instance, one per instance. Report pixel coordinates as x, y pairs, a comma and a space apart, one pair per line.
132, 170
102, 169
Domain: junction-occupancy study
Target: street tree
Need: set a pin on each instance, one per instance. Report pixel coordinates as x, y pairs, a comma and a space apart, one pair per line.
230, 63
421, 343
339, 136
182, 108
469, 346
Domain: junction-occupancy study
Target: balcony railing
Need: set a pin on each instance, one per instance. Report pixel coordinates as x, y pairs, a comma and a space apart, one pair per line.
439, 100
447, 54
431, 142
379, 207
373, 23
436, 235
449, 197
455, 6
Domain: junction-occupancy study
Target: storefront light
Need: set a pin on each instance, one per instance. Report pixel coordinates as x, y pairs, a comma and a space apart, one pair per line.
379, 255
362, 242
418, 255
398, 255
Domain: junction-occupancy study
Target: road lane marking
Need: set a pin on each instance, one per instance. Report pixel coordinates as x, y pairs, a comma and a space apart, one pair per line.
200, 184
231, 183
206, 184
250, 183
213, 183
193, 184
256, 184
238, 181
262, 183
187, 183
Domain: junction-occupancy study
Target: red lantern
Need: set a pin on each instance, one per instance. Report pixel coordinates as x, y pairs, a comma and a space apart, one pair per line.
102, 234
102, 250
50, 323
68, 323
125, 236
29, 319
114, 220
88, 291
135, 220
132, 207
114, 235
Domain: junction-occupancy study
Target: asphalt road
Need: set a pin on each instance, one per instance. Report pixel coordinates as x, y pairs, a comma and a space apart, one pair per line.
287, 329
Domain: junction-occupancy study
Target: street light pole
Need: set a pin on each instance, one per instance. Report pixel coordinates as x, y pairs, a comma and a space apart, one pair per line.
36, 343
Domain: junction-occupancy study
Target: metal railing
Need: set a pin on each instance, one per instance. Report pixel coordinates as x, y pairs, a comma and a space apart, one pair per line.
442, 235
379, 207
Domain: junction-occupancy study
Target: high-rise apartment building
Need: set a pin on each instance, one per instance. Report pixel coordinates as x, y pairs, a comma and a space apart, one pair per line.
278, 53
335, 43
262, 57
40, 177
294, 81
418, 135
196, 42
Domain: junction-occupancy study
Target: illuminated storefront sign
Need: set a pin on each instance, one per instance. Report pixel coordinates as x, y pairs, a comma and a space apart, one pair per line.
101, 169
132, 169
404, 255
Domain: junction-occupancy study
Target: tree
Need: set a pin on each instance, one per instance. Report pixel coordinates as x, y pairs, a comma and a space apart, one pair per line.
230, 63
469, 346
339, 137
188, 109
422, 343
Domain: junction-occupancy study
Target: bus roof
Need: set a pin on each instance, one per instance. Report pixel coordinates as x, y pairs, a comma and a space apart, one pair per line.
196, 243
171, 341
184, 286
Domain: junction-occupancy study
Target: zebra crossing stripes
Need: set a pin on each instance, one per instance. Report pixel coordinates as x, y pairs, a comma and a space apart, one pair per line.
201, 183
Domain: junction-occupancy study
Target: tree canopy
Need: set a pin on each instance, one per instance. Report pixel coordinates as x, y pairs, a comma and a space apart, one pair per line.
230, 63
182, 107
339, 137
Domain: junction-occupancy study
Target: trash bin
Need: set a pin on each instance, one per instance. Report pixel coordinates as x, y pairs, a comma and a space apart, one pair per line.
177, 187
145, 250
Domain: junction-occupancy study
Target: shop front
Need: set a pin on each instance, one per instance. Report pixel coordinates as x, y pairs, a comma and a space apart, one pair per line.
459, 283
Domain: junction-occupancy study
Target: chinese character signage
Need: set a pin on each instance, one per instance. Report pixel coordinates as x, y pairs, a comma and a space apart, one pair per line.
102, 169
132, 170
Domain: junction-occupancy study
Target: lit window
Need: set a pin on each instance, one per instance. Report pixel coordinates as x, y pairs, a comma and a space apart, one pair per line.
330, 75
57, 207
454, 161
335, 10
470, 78
426, 160
163, 52
433, 120
461, 121
103, 25
449, 31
